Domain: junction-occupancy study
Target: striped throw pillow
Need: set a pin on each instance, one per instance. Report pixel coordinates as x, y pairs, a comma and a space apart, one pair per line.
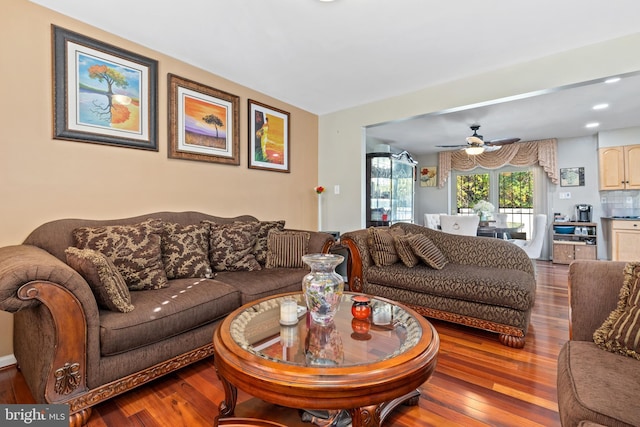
382, 246
620, 333
405, 251
285, 248
427, 251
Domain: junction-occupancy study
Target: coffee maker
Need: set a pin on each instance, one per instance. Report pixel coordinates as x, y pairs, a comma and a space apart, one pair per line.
583, 213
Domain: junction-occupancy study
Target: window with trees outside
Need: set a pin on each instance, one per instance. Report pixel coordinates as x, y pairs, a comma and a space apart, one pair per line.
510, 190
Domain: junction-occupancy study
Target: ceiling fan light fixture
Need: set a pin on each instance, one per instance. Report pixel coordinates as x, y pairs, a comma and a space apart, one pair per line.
475, 140
475, 150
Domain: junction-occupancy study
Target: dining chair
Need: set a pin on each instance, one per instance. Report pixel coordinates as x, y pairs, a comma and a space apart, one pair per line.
533, 247
432, 221
465, 225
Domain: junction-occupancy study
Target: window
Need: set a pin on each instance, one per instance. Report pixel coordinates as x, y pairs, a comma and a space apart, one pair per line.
510, 190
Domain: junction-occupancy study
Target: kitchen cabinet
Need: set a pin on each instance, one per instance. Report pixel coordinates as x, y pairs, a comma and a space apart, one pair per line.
625, 240
581, 244
619, 167
390, 188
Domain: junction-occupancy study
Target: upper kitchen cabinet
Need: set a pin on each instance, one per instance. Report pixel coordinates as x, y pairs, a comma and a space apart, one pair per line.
390, 188
620, 167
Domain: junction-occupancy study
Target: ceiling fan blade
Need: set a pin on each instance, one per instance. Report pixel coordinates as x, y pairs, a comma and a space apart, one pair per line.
452, 146
502, 141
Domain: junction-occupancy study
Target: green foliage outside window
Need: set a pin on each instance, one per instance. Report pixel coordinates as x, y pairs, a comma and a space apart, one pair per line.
515, 190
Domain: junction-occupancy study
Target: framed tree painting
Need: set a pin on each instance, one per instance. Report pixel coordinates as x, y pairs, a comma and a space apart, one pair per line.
103, 94
268, 138
203, 123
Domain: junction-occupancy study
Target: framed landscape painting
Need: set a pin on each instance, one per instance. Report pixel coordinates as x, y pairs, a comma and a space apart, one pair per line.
203, 123
268, 138
103, 94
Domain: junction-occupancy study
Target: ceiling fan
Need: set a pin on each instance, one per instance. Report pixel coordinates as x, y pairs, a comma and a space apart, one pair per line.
477, 145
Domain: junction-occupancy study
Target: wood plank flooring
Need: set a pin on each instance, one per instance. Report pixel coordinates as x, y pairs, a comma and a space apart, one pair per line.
477, 382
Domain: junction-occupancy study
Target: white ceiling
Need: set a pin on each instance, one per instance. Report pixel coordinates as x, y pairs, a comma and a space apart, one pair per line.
325, 57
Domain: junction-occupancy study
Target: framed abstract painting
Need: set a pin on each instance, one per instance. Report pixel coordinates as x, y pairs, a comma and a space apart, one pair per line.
102, 93
268, 138
204, 122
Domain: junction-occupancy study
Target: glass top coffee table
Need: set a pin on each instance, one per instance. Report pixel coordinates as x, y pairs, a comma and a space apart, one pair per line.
367, 367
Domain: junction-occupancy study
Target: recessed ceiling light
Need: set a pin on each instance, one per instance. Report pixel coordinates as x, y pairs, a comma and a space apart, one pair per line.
592, 125
612, 80
600, 106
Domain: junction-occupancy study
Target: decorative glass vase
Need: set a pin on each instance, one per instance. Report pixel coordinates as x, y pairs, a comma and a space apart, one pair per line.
322, 287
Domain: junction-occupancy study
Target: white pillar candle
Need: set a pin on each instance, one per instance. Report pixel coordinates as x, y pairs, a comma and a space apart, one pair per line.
288, 311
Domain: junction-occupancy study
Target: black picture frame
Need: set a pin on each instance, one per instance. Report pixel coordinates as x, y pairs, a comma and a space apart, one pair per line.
572, 177
103, 94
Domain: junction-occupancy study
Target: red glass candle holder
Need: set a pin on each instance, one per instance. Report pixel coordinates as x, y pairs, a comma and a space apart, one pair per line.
361, 308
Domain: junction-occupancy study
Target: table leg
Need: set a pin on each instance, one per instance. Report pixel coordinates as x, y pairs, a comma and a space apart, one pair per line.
366, 416
374, 415
228, 405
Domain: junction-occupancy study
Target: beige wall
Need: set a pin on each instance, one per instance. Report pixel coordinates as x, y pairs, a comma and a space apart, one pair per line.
342, 149
43, 179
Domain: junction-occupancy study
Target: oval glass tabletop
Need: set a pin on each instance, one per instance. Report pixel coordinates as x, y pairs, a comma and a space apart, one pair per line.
346, 341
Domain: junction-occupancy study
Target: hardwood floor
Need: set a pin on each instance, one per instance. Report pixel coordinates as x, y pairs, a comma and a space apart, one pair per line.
477, 382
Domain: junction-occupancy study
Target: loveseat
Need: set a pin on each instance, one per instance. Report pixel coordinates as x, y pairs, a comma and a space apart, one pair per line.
143, 297
599, 368
481, 282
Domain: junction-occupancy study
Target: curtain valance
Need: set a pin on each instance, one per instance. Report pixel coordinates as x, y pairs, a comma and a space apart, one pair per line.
541, 152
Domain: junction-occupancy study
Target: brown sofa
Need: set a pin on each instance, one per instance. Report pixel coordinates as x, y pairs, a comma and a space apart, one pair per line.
73, 351
595, 387
487, 283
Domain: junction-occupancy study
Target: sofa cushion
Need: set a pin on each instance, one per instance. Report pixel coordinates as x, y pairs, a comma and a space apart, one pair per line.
134, 249
262, 234
405, 251
185, 250
106, 282
429, 253
286, 248
185, 305
597, 385
266, 282
382, 246
488, 286
620, 332
231, 246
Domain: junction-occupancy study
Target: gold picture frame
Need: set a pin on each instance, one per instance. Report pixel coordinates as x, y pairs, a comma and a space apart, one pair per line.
204, 122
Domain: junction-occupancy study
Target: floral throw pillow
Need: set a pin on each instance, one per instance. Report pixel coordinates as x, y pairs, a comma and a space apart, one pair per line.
134, 249
231, 246
262, 234
185, 250
620, 333
107, 284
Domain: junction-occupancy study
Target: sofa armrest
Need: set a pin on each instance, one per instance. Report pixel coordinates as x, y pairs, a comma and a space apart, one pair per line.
22, 264
359, 258
56, 322
594, 288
